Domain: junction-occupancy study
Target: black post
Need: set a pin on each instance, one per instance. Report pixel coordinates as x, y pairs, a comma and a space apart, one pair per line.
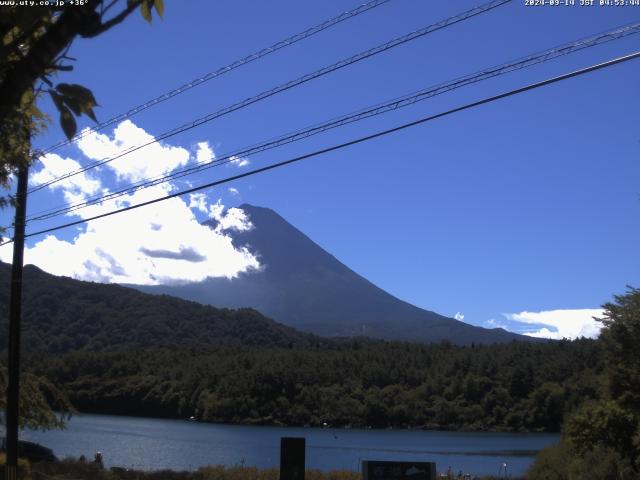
13, 389
292, 451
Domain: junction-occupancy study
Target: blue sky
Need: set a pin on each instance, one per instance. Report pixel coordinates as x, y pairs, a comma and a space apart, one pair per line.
522, 206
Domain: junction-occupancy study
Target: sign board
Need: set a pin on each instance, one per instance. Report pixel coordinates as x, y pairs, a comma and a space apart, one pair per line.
385, 470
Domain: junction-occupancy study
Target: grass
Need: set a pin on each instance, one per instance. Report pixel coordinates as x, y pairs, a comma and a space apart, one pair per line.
71, 469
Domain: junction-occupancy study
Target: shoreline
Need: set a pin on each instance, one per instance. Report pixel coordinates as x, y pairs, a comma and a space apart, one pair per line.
423, 428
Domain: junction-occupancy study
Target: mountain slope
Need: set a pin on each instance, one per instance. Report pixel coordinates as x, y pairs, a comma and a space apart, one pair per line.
61, 314
303, 286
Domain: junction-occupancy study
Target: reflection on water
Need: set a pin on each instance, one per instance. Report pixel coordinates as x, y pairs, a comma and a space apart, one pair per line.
147, 443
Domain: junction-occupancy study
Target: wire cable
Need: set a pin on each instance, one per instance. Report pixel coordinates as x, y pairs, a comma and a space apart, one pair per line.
356, 141
222, 70
518, 64
289, 85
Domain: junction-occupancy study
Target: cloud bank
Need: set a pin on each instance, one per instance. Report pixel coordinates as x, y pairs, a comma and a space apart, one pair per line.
157, 244
558, 324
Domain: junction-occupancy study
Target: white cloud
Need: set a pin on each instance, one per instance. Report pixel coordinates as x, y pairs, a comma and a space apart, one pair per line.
239, 161
232, 219
159, 243
558, 324
204, 153
216, 210
235, 219
459, 316
493, 323
155, 245
233, 191
198, 201
153, 160
54, 166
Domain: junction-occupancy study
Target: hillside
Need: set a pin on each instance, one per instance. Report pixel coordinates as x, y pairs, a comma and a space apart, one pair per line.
61, 314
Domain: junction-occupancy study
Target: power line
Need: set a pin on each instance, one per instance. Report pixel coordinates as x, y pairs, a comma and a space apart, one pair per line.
382, 133
518, 64
222, 70
291, 84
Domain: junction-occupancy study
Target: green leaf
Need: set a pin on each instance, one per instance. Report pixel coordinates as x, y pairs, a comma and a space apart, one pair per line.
83, 94
57, 100
145, 10
75, 106
91, 115
159, 4
68, 122
78, 98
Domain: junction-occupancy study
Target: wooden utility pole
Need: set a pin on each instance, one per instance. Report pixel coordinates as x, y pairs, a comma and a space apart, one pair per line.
15, 315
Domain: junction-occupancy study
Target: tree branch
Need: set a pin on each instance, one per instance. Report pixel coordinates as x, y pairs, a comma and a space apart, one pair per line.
113, 21
23, 74
74, 21
108, 7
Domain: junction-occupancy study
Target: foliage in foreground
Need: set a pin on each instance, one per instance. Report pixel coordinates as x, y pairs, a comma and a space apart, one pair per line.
565, 462
38, 400
34, 43
601, 440
24, 469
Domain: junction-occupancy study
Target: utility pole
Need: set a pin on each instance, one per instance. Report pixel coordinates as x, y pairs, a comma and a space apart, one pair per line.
15, 315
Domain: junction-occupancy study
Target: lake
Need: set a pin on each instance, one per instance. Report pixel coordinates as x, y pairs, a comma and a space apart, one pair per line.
148, 443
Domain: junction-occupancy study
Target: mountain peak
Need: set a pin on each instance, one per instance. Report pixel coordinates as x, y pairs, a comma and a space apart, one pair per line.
249, 207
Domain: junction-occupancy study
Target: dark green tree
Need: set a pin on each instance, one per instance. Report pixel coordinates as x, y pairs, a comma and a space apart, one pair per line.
602, 438
43, 405
621, 338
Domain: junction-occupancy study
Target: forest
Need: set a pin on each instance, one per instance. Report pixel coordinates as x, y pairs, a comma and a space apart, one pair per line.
507, 387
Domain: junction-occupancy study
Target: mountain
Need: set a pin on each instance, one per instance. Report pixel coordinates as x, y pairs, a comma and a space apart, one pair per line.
61, 314
305, 287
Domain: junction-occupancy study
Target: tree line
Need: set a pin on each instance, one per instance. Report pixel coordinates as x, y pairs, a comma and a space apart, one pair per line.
505, 387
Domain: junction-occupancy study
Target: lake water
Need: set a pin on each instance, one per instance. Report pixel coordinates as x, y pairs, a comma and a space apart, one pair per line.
148, 443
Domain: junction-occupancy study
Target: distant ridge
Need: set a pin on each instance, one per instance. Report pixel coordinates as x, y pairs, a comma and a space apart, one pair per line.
305, 287
61, 315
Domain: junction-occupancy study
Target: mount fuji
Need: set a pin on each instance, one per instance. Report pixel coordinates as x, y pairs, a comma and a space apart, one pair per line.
305, 287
